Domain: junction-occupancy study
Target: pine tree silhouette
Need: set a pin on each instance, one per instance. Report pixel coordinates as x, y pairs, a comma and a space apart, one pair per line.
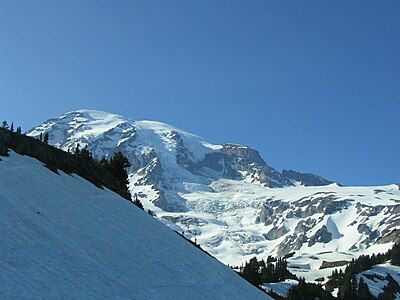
46, 138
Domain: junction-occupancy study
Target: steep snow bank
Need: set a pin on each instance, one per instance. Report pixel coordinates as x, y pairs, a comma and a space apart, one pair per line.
60, 236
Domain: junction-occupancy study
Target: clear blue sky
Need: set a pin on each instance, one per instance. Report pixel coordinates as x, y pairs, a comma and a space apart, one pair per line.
313, 85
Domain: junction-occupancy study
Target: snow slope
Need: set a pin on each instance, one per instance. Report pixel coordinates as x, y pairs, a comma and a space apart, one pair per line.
281, 288
376, 277
231, 201
61, 237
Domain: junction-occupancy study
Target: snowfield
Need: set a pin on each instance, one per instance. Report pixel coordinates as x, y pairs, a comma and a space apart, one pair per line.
61, 237
229, 199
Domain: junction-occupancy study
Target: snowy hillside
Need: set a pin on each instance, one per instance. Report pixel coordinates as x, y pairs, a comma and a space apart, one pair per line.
230, 200
62, 237
376, 278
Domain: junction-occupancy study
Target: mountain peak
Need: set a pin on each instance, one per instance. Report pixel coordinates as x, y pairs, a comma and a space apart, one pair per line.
93, 114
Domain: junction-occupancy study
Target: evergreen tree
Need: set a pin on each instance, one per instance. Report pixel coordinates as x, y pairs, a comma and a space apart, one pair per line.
104, 162
348, 288
363, 291
308, 291
19, 130
12, 127
138, 203
299, 292
77, 151
41, 137
85, 154
267, 271
251, 272
344, 281
395, 255
46, 138
4, 125
117, 165
390, 290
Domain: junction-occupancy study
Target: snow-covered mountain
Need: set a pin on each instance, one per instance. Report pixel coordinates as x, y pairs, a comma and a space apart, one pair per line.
62, 237
230, 200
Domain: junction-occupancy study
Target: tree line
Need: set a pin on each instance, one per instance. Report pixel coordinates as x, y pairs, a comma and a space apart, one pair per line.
11, 127
84, 163
350, 288
259, 271
349, 283
116, 165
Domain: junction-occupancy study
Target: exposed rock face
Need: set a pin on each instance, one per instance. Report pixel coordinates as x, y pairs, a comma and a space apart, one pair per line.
266, 214
333, 264
332, 207
363, 228
279, 206
276, 233
271, 211
370, 211
236, 162
243, 155
308, 179
304, 226
245, 159
371, 236
125, 131
393, 236
321, 236
291, 243
391, 222
152, 173
214, 161
220, 162
326, 204
182, 153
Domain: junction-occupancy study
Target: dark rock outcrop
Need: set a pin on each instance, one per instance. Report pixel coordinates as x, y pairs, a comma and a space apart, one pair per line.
308, 179
333, 264
291, 243
321, 236
243, 154
393, 236
276, 233
271, 211
304, 226
325, 205
182, 153
152, 173
266, 213
243, 158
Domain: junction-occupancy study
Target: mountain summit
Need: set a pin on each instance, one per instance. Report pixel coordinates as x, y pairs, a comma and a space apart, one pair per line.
229, 199
166, 161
